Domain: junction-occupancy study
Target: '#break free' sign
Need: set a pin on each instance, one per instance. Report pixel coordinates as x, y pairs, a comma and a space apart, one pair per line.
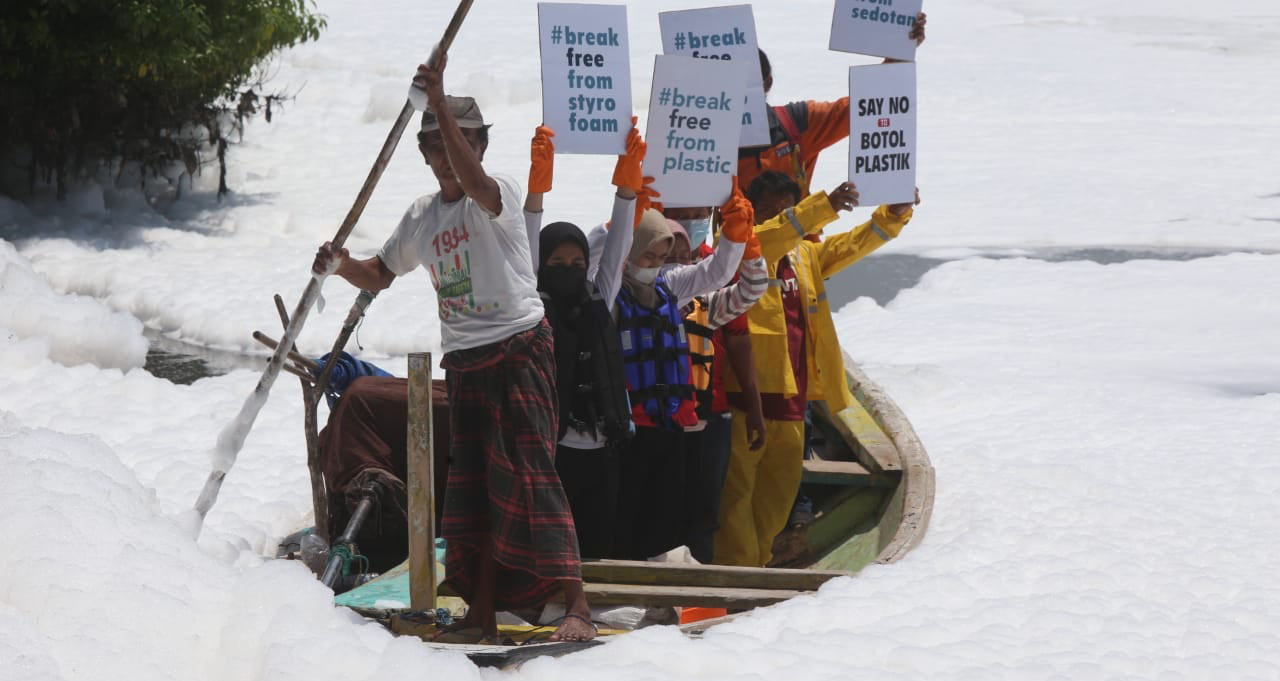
694, 124
882, 133
586, 76
880, 28
723, 34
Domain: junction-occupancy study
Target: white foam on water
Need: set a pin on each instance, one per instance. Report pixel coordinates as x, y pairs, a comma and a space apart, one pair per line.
70, 329
1071, 136
98, 584
1104, 436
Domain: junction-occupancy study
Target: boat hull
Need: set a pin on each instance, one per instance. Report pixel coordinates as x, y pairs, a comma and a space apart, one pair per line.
874, 509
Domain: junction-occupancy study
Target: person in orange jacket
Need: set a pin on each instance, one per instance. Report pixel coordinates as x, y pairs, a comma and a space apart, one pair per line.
799, 131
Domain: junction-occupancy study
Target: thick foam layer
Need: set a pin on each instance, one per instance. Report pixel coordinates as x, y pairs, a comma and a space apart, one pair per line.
99, 584
37, 322
1104, 435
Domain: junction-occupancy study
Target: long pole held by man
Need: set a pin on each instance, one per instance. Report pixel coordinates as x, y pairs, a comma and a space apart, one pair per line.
233, 435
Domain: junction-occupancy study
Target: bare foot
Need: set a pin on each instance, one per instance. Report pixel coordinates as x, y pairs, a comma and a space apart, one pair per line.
574, 627
472, 628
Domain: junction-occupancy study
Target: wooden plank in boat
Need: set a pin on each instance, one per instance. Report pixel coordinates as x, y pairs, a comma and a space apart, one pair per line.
665, 596
671, 595
686, 574
509, 657
861, 430
842, 473
494, 655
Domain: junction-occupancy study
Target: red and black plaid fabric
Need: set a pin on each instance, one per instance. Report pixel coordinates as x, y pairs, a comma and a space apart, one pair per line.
503, 489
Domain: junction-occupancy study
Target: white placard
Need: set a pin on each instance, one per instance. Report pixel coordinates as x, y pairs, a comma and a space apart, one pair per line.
880, 28
723, 34
695, 112
586, 76
882, 133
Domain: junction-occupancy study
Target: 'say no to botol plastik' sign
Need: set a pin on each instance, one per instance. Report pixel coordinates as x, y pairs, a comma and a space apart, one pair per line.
882, 132
586, 76
880, 28
723, 34
694, 125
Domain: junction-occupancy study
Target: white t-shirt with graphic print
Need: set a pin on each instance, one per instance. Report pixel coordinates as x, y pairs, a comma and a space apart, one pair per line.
478, 262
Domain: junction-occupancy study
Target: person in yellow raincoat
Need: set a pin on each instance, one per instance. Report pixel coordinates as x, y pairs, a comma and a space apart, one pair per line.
797, 354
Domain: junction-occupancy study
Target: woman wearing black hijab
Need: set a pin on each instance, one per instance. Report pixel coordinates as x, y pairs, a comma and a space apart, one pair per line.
578, 298
592, 392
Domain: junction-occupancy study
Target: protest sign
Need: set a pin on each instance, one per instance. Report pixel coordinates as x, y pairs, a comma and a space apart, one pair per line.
586, 76
723, 34
882, 132
880, 28
695, 119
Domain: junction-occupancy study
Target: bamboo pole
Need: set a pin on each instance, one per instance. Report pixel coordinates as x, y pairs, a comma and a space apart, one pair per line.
348, 327
284, 313
421, 486
272, 343
319, 486
231, 439
310, 397
301, 373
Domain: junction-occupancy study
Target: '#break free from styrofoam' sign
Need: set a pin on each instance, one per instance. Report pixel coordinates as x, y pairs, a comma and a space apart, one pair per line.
586, 76
723, 34
882, 132
880, 28
695, 112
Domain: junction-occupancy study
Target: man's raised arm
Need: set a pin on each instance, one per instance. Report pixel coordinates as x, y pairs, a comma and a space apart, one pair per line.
466, 165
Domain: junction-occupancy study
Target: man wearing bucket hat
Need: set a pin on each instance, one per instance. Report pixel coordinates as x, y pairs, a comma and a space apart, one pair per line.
510, 536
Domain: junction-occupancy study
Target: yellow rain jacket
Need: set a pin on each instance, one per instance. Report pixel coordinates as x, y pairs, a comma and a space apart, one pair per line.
813, 263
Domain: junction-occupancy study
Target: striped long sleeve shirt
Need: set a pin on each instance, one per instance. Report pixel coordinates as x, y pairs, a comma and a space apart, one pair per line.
728, 303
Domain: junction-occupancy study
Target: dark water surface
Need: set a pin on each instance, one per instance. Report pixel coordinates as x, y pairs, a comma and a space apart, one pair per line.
185, 363
880, 277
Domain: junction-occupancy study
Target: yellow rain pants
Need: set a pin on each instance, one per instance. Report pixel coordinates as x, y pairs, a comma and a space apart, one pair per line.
759, 490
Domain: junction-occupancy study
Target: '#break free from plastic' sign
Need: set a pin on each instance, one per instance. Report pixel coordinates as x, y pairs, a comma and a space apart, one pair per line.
880, 28
882, 133
695, 113
723, 34
586, 76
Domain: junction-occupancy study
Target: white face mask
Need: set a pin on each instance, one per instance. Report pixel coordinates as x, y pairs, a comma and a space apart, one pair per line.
644, 275
698, 230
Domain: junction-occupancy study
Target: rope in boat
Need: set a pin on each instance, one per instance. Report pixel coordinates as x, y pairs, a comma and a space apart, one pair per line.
348, 557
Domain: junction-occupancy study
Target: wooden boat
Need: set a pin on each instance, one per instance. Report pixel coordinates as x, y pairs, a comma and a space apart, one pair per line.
872, 486
870, 481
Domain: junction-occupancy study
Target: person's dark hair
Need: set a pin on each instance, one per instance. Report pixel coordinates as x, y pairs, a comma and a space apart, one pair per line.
766, 69
482, 132
772, 182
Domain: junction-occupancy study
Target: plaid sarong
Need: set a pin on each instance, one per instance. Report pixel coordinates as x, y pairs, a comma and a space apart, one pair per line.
503, 487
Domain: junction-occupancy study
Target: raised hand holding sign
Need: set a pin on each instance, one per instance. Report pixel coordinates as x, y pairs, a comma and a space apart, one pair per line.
880, 28
724, 34
586, 76
693, 130
882, 132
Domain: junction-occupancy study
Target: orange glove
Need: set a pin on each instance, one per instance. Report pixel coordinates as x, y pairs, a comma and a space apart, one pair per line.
542, 155
645, 199
627, 173
753, 247
737, 217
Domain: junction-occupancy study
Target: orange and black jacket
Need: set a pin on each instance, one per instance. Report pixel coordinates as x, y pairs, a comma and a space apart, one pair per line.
799, 132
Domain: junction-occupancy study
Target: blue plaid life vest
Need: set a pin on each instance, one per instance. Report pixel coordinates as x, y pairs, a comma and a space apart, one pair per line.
655, 360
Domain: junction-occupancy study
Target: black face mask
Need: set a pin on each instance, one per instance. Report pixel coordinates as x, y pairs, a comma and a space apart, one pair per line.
562, 281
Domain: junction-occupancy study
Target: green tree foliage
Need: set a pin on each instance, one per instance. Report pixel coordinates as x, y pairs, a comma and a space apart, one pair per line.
150, 81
